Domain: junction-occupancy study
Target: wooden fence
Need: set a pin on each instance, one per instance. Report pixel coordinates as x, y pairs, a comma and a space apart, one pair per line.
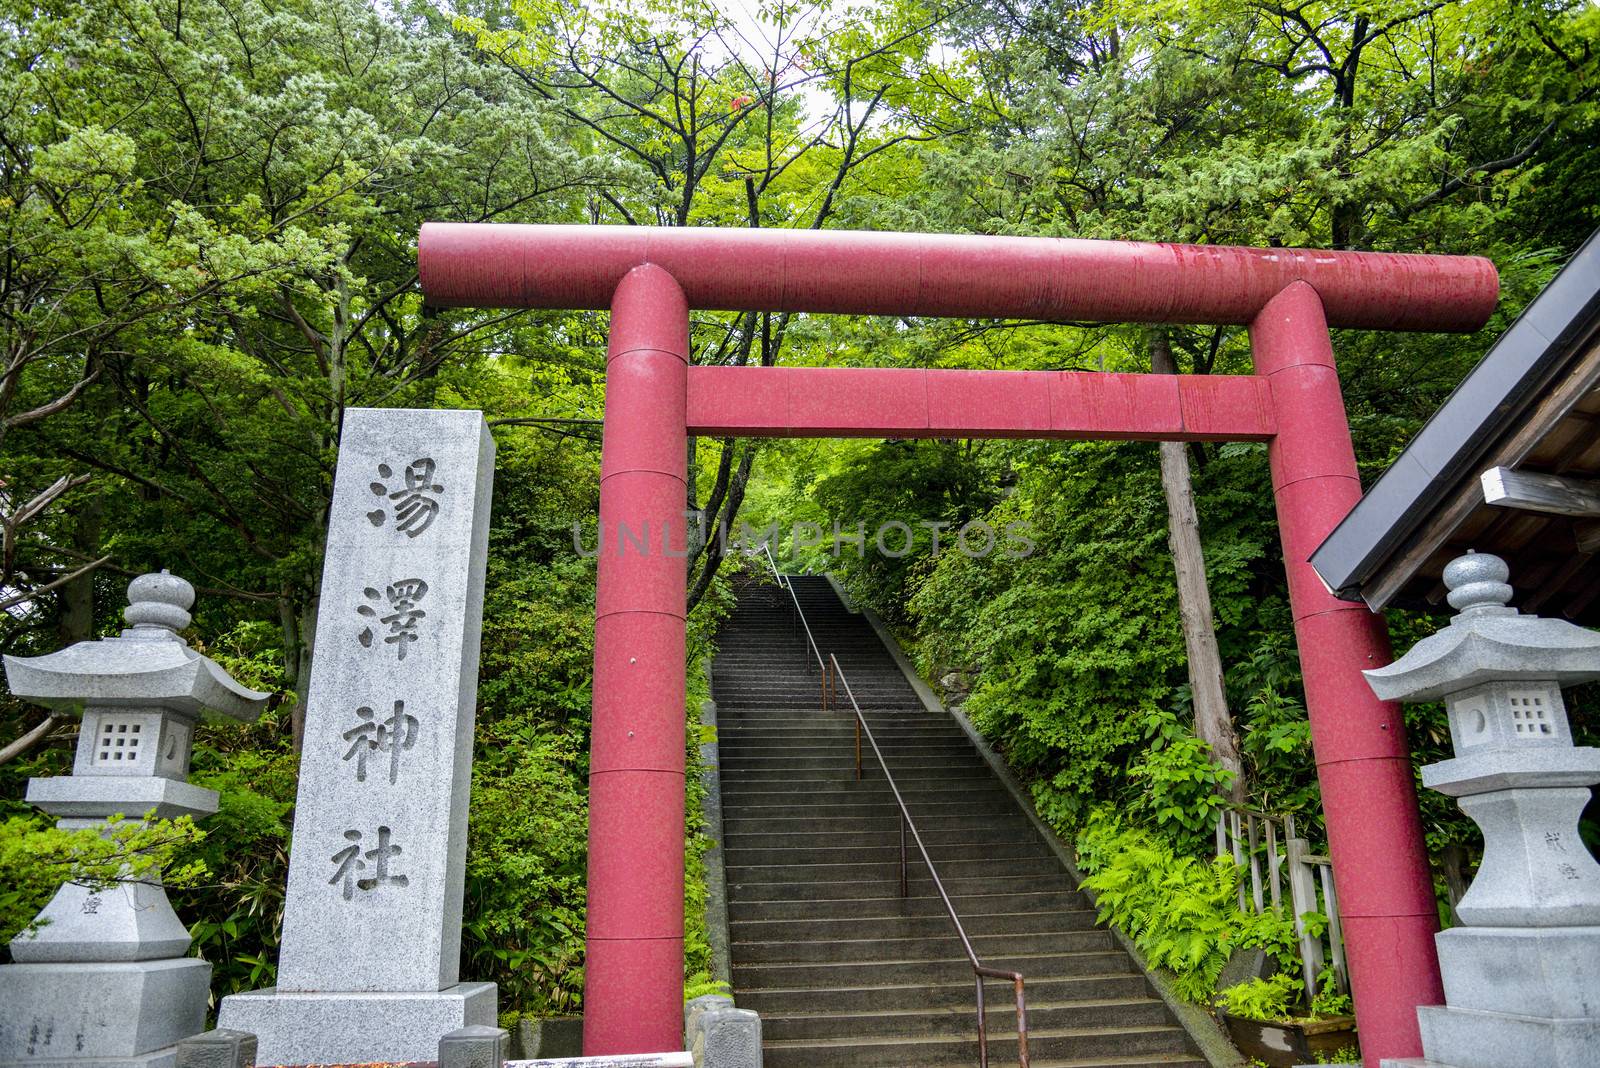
1253, 840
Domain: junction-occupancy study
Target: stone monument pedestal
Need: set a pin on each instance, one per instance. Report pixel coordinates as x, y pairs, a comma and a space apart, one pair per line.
352, 1027
1516, 995
117, 1015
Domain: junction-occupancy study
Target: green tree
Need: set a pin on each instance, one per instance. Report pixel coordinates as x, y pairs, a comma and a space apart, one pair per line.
213, 253
723, 129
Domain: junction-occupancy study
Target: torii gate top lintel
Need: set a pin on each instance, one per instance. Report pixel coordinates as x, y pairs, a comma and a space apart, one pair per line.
947, 275
651, 277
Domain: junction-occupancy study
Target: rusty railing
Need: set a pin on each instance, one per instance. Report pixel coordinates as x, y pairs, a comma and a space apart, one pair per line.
823, 667
980, 971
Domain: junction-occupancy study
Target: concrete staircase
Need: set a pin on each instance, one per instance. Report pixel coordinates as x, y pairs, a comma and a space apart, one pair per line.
842, 969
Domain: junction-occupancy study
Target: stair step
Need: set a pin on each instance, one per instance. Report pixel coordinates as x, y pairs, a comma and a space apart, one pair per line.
947, 969
954, 993
950, 872
921, 806
963, 1020
887, 902
1079, 1048
841, 782
876, 818
842, 762
981, 833
799, 714
1075, 1042
886, 853
776, 693
918, 886
814, 743
872, 790
741, 739
1039, 922
938, 947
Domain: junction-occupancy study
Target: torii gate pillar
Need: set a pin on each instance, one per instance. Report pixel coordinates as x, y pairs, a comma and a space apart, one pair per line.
1363, 763
633, 977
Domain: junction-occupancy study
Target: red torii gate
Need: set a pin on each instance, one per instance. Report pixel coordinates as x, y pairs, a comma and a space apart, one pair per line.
651, 277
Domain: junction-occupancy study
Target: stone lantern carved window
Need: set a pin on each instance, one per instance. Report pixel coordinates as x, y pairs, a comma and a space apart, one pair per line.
1471, 718
126, 742
1529, 714
120, 740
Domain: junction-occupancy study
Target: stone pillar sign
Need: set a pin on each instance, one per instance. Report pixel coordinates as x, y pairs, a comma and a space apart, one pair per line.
372, 921
1522, 975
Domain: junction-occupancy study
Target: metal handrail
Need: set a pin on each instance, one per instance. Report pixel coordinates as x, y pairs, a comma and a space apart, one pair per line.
822, 665
832, 675
980, 971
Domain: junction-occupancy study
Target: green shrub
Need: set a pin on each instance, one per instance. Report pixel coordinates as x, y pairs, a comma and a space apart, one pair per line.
1329, 1001
35, 859
1262, 999
1181, 913
1177, 787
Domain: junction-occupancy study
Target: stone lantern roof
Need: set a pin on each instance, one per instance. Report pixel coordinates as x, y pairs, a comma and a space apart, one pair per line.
148, 665
1488, 641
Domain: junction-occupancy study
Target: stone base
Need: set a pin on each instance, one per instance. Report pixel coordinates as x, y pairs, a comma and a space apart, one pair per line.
616, 1060
111, 1015
1468, 1038
126, 922
357, 1027
556, 1036
161, 1058
1542, 972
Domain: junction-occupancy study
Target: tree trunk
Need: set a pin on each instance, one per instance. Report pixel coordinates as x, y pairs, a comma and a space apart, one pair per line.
25, 744
1212, 724
299, 626
76, 620
1453, 863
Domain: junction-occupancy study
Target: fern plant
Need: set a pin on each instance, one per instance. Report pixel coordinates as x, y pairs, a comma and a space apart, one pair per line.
1262, 999
1178, 910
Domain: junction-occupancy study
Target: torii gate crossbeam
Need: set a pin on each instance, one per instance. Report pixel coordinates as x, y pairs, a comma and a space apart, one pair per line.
650, 278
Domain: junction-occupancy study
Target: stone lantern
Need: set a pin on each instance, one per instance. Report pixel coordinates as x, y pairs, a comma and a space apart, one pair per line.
1522, 976
104, 978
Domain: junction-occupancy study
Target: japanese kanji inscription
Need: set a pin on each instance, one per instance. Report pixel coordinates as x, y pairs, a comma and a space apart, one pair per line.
376, 869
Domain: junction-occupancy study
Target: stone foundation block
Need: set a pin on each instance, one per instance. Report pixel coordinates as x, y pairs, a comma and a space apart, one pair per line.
1467, 1038
218, 1049
1546, 972
698, 1007
548, 1038
132, 1012
730, 1038
475, 1047
355, 1028
721, 1036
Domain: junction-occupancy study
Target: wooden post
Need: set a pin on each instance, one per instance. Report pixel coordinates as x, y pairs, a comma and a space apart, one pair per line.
1274, 866
1255, 865
1330, 901
1303, 899
1212, 723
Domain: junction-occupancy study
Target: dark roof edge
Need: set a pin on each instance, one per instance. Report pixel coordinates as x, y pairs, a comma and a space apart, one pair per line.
1494, 394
